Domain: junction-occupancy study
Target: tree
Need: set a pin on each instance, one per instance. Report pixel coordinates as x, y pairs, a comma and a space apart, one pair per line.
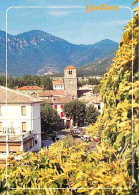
49, 118
47, 82
91, 114
76, 110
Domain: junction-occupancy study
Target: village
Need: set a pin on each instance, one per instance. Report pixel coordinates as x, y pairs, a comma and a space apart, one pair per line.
20, 118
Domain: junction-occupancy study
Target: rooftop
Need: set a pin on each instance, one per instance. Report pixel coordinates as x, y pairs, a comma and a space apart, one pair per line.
30, 88
14, 97
58, 82
95, 98
59, 100
49, 93
70, 67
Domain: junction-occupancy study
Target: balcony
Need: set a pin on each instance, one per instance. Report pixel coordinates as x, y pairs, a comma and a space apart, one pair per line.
11, 134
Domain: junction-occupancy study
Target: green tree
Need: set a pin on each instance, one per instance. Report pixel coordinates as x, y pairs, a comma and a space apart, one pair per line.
49, 118
47, 82
91, 114
76, 110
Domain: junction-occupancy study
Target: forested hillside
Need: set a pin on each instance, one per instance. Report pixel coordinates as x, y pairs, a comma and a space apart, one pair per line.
38, 52
97, 67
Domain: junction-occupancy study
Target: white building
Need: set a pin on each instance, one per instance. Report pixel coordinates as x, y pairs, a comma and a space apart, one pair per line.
20, 122
58, 85
58, 104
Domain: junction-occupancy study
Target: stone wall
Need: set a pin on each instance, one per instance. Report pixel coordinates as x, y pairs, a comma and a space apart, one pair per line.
70, 81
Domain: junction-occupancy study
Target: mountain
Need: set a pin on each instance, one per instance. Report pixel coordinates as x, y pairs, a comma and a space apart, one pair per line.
39, 52
97, 67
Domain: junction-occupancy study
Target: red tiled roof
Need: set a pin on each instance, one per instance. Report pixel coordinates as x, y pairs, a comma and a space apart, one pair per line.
15, 97
49, 93
58, 82
59, 100
70, 67
30, 88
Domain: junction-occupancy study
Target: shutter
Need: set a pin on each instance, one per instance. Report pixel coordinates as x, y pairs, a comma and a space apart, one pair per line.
24, 126
0, 126
23, 110
62, 114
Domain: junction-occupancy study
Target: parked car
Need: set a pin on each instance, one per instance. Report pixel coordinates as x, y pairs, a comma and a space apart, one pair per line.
96, 139
86, 138
59, 137
76, 131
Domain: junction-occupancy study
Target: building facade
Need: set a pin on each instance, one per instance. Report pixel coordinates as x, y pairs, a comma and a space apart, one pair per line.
20, 122
70, 81
58, 85
29, 89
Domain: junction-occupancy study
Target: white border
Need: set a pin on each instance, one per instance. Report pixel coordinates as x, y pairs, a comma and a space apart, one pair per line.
65, 7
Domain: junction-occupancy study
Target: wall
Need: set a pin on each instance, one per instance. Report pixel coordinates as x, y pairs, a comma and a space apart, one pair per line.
59, 110
36, 124
58, 87
70, 81
11, 116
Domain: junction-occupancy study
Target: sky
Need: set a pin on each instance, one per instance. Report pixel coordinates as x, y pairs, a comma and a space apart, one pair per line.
74, 25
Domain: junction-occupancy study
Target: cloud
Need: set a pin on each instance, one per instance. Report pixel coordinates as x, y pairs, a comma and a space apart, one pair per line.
58, 13
116, 22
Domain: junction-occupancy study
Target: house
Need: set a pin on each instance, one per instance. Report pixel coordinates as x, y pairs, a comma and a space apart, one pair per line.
58, 85
95, 99
58, 104
30, 90
49, 94
20, 122
65, 90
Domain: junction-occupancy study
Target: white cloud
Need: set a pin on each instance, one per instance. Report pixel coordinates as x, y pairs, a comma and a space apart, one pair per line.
59, 13
116, 22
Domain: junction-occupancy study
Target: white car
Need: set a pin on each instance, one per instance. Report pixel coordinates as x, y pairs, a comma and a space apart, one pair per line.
59, 137
86, 138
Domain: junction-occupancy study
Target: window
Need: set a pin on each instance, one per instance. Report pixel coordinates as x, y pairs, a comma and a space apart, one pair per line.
24, 126
23, 110
0, 110
62, 114
55, 106
62, 106
36, 142
70, 71
98, 107
0, 126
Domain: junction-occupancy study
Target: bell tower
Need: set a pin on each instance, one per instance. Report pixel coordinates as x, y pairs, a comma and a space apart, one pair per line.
70, 81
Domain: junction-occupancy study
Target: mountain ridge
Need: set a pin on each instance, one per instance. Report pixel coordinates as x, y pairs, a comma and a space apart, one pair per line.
36, 50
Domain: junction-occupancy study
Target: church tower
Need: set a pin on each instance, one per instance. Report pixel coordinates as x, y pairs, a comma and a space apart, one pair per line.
70, 81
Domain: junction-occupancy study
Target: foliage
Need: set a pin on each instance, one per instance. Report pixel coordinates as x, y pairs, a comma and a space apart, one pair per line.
79, 112
49, 118
91, 114
76, 110
135, 1
117, 118
90, 81
96, 89
95, 68
13, 82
